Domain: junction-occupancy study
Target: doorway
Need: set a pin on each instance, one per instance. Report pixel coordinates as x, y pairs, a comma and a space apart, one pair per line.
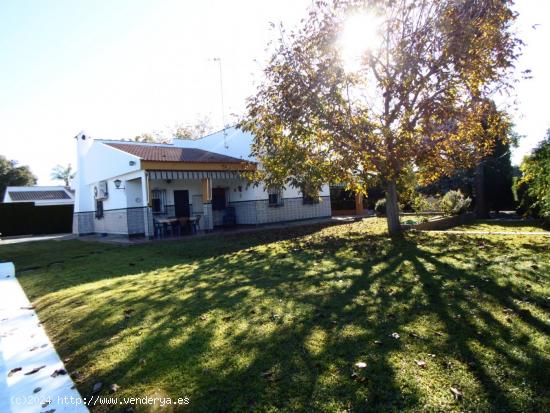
181, 203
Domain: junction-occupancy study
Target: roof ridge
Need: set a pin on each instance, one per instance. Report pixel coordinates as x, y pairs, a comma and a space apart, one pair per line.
113, 141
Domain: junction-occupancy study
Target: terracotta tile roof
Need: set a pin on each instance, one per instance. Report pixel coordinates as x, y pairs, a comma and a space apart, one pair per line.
38, 195
173, 154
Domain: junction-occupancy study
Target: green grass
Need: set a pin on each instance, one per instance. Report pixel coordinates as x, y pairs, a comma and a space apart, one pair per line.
275, 321
503, 226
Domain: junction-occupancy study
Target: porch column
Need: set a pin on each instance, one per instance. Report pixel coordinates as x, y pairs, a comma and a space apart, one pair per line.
208, 221
145, 195
358, 204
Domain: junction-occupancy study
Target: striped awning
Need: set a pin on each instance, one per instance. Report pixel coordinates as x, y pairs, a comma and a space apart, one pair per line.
194, 174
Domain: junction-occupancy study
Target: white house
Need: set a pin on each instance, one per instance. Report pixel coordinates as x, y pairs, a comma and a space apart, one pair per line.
128, 188
40, 195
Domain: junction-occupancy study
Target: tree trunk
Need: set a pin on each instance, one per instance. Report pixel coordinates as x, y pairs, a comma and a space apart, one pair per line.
482, 209
392, 208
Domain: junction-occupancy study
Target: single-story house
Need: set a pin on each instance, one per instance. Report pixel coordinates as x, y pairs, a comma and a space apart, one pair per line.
128, 188
40, 195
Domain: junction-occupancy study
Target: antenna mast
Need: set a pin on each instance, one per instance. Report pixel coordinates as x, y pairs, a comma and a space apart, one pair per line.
219, 60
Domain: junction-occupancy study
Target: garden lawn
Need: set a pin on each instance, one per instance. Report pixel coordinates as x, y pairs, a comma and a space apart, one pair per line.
275, 321
504, 226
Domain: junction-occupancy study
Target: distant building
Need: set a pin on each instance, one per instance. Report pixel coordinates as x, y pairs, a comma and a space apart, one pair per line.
40, 195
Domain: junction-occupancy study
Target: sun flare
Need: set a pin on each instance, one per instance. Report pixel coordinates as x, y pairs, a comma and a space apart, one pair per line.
360, 34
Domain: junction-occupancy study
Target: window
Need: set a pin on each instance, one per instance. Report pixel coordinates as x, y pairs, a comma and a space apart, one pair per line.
218, 199
99, 208
158, 201
275, 196
310, 195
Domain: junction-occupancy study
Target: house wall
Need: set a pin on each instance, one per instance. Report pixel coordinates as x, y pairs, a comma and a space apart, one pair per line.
253, 208
105, 162
231, 142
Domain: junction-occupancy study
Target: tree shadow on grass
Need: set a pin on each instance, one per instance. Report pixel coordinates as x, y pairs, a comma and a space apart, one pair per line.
252, 326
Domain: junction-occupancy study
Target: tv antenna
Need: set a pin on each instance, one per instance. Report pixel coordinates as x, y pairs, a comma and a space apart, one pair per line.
219, 60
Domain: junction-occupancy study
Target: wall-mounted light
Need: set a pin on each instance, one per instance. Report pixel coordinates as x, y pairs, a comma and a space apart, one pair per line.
117, 183
132, 163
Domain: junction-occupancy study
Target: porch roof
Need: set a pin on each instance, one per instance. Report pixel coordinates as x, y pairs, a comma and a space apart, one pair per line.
194, 174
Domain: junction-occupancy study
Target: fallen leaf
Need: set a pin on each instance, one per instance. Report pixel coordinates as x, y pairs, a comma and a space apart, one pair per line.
377, 342
360, 364
35, 370
36, 390
59, 372
76, 375
114, 388
13, 371
420, 363
395, 335
457, 394
356, 377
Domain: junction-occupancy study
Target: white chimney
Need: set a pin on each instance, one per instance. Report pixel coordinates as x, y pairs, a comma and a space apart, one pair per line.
83, 199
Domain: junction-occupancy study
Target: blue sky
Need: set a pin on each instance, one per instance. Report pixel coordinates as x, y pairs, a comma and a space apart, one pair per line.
120, 68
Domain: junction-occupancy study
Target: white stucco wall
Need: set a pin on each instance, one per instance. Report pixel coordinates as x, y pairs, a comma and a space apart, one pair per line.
105, 162
236, 143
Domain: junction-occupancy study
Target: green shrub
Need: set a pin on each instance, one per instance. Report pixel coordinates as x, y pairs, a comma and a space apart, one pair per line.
533, 189
380, 207
423, 203
454, 203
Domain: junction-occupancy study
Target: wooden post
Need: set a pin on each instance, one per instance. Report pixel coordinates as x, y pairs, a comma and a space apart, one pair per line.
206, 190
358, 204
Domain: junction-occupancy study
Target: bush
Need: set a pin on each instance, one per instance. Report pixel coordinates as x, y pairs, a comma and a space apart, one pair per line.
454, 203
380, 207
423, 203
533, 189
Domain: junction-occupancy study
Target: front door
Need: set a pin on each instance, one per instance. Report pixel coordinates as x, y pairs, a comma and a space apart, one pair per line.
181, 203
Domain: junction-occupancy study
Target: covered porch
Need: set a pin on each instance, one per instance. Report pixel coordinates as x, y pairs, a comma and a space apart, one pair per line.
190, 202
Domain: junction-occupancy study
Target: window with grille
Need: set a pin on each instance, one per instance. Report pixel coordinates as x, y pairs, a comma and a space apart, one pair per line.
99, 208
275, 196
158, 201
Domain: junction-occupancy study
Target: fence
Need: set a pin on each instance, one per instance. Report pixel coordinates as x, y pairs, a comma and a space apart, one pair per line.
25, 218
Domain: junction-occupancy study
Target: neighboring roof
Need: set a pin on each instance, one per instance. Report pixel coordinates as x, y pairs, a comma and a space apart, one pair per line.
38, 195
164, 153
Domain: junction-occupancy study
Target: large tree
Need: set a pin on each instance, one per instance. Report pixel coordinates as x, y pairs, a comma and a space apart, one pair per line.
417, 99
13, 175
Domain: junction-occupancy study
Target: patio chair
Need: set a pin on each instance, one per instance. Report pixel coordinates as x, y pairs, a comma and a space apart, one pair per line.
159, 229
183, 225
195, 224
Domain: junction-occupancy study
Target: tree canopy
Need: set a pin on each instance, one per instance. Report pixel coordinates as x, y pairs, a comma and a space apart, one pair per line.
535, 182
418, 99
63, 173
13, 175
